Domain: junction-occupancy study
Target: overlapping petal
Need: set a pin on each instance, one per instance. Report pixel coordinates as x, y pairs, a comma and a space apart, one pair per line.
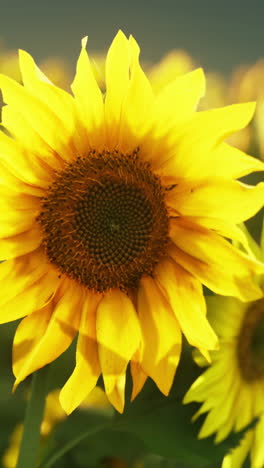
47, 333
205, 255
200, 136
87, 369
23, 165
39, 115
185, 296
118, 336
89, 101
223, 198
20, 244
138, 375
176, 102
161, 335
138, 103
27, 284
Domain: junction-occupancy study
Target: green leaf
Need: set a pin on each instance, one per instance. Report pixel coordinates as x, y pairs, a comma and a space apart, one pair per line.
108, 444
95, 441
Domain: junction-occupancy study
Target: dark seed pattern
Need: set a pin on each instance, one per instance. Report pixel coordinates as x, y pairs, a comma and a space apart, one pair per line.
104, 221
250, 350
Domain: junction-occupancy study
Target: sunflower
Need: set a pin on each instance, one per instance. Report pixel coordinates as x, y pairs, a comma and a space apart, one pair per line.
232, 388
113, 212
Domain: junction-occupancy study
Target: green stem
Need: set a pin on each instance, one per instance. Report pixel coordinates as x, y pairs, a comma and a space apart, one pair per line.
29, 447
50, 462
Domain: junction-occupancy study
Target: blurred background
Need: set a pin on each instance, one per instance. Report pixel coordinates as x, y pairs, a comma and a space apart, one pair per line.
226, 38
219, 35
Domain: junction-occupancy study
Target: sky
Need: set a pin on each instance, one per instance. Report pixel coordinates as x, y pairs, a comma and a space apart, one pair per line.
218, 34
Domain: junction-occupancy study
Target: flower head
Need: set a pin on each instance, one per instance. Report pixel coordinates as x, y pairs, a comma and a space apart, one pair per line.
114, 212
231, 389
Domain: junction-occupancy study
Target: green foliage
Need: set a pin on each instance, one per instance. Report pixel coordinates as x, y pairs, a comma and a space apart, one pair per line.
11, 404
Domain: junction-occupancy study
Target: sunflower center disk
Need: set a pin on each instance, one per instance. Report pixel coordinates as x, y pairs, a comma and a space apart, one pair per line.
104, 221
251, 343
114, 221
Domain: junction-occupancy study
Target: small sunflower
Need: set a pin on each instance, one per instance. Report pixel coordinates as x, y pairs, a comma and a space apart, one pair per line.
232, 388
114, 209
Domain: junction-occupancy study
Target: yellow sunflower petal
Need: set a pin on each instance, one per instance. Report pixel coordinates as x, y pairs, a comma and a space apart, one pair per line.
216, 394
59, 101
208, 383
232, 162
206, 255
34, 151
200, 136
185, 296
35, 347
17, 274
225, 229
12, 185
257, 458
138, 102
118, 336
117, 82
39, 115
255, 248
262, 242
117, 395
210, 127
26, 296
138, 376
21, 202
166, 124
28, 333
22, 164
244, 407
89, 99
218, 416
226, 199
225, 429
17, 213
20, 244
87, 369
177, 101
161, 335
236, 458
15, 222
258, 402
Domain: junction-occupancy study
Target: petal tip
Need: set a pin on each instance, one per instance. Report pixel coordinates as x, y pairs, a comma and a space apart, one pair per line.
65, 404
120, 37
84, 42
248, 109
